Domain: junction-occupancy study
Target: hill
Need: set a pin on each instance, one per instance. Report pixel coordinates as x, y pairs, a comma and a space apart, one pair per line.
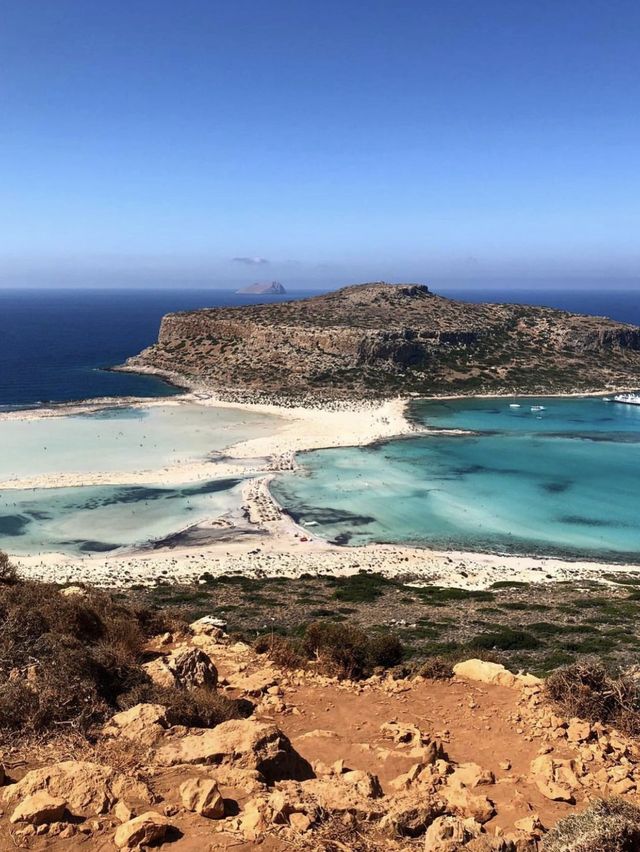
382, 339
269, 288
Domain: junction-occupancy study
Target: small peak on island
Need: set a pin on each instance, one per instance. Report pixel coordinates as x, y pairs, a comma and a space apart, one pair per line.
263, 288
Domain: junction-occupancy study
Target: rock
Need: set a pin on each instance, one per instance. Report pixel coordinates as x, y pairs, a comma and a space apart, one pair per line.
484, 672
554, 778
123, 812
578, 731
202, 796
465, 804
144, 723
209, 625
450, 834
145, 829
2, 775
39, 809
254, 684
472, 775
410, 816
74, 592
89, 789
191, 667
300, 822
241, 743
160, 673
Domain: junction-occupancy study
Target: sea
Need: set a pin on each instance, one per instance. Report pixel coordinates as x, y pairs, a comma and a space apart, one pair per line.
529, 476
58, 345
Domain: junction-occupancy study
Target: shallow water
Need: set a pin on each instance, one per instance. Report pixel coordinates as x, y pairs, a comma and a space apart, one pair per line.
122, 439
561, 481
100, 519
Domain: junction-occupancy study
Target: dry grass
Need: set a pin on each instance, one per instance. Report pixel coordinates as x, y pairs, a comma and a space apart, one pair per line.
608, 825
586, 689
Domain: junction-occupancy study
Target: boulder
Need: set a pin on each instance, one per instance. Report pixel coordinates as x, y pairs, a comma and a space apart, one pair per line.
209, 625
555, 778
578, 731
472, 775
466, 804
144, 723
450, 834
148, 828
241, 743
410, 816
191, 667
202, 796
89, 789
160, 673
39, 809
484, 672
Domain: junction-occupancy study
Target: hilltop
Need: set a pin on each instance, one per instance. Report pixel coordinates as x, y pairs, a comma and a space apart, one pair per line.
382, 339
266, 288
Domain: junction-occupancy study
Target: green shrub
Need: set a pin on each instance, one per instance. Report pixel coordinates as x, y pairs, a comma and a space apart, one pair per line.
506, 639
607, 825
347, 651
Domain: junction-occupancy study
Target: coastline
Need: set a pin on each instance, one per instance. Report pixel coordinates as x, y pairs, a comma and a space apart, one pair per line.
276, 545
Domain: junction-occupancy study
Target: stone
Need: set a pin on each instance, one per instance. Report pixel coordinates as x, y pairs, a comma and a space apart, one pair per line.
450, 834
241, 743
39, 809
143, 830
202, 796
123, 812
472, 775
144, 723
300, 822
578, 731
89, 789
552, 777
209, 625
484, 672
191, 668
466, 804
160, 673
255, 684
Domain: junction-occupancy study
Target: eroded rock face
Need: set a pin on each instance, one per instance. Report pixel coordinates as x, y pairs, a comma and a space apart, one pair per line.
241, 743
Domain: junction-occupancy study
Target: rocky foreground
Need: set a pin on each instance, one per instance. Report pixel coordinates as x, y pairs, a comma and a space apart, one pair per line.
382, 339
479, 761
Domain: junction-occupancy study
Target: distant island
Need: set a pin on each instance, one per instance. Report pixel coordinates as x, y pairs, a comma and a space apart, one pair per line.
265, 288
382, 340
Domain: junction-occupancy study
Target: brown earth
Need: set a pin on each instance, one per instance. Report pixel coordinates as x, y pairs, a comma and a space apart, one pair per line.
381, 764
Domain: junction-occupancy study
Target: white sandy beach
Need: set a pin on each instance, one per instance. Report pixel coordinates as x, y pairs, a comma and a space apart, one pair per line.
278, 547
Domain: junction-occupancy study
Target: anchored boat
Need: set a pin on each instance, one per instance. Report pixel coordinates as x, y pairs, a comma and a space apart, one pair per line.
628, 398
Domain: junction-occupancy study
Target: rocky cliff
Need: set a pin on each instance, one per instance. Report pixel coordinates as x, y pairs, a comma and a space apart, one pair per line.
382, 339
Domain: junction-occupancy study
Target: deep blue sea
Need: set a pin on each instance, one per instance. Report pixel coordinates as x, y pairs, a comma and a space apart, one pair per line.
56, 344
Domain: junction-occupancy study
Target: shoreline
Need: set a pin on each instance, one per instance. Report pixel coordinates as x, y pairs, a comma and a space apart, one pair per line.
276, 545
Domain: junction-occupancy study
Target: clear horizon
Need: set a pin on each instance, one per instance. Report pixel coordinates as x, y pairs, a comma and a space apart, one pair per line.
213, 145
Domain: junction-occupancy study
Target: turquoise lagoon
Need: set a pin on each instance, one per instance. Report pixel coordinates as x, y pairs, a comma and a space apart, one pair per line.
122, 439
563, 480
101, 518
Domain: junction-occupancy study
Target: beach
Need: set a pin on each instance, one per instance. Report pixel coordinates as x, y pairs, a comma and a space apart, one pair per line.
264, 541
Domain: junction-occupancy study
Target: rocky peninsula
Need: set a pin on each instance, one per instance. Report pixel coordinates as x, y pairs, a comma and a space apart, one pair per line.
382, 340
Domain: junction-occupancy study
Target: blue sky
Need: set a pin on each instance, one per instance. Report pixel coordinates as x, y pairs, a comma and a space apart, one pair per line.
157, 142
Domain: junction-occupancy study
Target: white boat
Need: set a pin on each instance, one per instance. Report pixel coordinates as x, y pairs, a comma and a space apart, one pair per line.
628, 398
537, 408
514, 405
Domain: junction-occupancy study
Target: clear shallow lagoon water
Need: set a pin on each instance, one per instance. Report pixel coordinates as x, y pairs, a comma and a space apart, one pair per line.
123, 439
100, 519
563, 481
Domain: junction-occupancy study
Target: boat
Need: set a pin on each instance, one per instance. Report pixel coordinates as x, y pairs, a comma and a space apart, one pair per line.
537, 408
514, 405
628, 398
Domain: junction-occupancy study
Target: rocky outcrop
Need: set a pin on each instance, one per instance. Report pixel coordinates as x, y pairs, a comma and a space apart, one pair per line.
385, 339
